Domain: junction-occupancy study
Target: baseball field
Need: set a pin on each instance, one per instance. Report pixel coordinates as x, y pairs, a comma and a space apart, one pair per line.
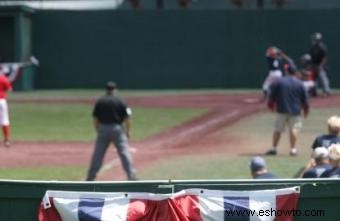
202, 134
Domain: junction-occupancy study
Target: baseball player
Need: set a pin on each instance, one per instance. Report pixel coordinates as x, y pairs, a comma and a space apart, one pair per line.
5, 86
275, 60
14, 69
307, 75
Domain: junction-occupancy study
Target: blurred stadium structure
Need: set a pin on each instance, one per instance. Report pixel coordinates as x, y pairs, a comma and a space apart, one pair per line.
204, 46
172, 4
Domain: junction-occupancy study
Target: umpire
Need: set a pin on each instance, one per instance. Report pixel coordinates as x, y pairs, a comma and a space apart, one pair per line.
112, 123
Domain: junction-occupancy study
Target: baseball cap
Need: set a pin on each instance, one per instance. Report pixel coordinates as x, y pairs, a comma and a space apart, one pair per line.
257, 163
320, 153
110, 85
334, 152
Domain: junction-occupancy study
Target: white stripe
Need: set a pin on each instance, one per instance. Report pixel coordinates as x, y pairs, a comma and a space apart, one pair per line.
115, 209
67, 208
211, 208
211, 202
266, 201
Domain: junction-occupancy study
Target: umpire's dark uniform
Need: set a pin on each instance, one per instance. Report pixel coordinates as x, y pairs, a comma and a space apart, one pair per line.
109, 113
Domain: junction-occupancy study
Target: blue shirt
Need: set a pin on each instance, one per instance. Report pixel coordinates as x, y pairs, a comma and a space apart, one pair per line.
331, 173
325, 140
267, 175
289, 95
316, 171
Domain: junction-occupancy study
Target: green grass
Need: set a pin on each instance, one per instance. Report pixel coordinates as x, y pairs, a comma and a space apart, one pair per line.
44, 173
254, 133
216, 166
73, 122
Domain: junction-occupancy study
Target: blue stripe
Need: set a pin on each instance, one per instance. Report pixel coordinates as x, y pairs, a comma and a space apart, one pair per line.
236, 208
90, 209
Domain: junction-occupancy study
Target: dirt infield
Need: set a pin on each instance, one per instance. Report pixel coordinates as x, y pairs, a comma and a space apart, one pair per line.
199, 135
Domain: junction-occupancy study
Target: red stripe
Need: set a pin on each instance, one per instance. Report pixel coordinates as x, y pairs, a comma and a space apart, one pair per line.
50, 214
181, 208
286, 203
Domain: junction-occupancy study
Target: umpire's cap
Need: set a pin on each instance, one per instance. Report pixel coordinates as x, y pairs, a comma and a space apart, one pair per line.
110, 85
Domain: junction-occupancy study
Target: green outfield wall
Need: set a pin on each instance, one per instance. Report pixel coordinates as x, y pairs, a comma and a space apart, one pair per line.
173, 48
16, 41
19, 200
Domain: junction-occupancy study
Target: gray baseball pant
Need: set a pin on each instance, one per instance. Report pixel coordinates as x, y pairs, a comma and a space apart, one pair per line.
108, 133
323, 79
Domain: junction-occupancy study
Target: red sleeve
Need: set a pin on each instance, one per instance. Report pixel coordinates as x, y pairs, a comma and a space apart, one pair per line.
8, 85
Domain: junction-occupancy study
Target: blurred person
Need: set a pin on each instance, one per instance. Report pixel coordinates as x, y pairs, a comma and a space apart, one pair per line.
135, 4
159, 4
5, 86
184, 3
112, 123
258, 169
307, 75
288, 98
13, 70
333, 135
318, 164
334, 159
276, 58
318, 53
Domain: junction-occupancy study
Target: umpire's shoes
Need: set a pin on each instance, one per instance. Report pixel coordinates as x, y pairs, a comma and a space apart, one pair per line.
271, 152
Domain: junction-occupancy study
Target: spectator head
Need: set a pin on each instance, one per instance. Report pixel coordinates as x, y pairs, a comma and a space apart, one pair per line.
257, 165
333, 124
316, 37
334, 154
320, 155
273, 52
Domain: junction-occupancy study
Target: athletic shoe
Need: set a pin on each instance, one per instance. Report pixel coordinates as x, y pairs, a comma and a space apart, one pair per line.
271, 152
293, 152
7, 143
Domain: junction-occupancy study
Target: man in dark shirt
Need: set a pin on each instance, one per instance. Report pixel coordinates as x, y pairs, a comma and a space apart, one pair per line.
318, 52
258, 169
288, 97
109, 114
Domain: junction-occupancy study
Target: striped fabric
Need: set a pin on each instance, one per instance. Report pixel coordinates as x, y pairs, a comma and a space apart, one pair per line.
189, 204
